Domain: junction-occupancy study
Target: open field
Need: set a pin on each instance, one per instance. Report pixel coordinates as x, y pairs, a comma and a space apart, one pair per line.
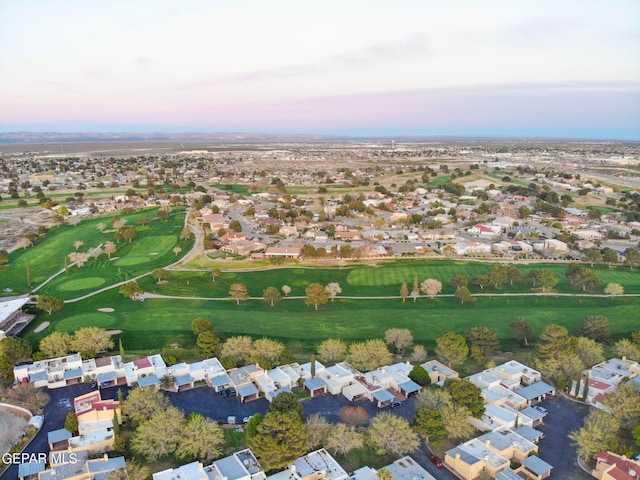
12, 425
46, 258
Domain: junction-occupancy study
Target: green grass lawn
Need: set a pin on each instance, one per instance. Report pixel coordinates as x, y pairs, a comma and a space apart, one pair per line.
239, 188
151, 249
440, 180
160, 324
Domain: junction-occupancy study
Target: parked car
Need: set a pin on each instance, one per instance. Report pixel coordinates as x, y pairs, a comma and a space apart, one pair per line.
231, 392
93, 385
396, 404
224, 393
436, 461
541, 409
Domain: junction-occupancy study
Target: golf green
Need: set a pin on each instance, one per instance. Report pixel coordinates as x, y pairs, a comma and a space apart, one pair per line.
81, 284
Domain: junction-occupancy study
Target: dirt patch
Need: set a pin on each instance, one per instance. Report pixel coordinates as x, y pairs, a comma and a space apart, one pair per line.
41, 327
12, 426
106, 309
114, 332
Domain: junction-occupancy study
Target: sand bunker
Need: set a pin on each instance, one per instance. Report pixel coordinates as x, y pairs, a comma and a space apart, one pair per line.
114, 332
106, 310
153, 253
41, 327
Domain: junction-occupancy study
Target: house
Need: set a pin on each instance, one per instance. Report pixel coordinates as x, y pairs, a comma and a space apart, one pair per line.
12, 318
317, 465
605, 376
536, 468
499, 395
91, 407
439, 372
276, 380
80, 467
337, 377
315, 387
471, 458
553, 245
106, 371
152, 366
51, 373
511, 375
347, 236
509, 444
611, 466
242, 380
405, 468
292, 252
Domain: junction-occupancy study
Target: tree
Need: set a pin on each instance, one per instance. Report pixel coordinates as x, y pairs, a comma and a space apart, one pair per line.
91, 340
592, 256
128, 233
142, 404
431, 287
131, 289
484, 338
56, 344
454, 417
369, 355
627, 348
49, 304
238, 291
404, 291
464, 295
202, 439
400, 338
215, 273
631, 257
614, 289
391, 434
354, 416
544, 277
186, 234
208, 343
317, 430
160, 275
341, 439
521, 330
272, 295
624, 403
514, 274
110, 248
610, 256
452, 348
240, 348
235, 225
333, 289
587, 280
459, 281
588, 351
267, 349
176, 250
553, 341
71, 423
595, 327
597, 434
316, 295
199, 325
286, 402
428, 421
419, 375
16, 349
160, 435
77, 244
332, 350
280, 439
481, 280
6, 370
419, 354
4, 257
286, 289
466, 394
498, 274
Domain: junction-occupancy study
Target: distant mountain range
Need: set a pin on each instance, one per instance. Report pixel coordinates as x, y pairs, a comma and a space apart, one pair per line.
36, 137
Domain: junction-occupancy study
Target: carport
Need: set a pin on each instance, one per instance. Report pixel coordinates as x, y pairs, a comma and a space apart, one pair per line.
149, 381
106, 379
315, 386
73, 376
383, 398
247, 393
355, 391
183, 382
221, 382
409, 388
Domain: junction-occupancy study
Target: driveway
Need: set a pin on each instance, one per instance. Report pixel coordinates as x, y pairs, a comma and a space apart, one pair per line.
564, 416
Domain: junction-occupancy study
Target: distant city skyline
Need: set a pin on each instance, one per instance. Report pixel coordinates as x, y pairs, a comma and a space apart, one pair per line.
549, 69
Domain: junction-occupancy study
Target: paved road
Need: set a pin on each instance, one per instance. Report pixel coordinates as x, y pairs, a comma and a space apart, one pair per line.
564, 416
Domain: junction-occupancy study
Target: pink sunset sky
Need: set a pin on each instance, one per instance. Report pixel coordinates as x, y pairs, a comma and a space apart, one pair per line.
490, 68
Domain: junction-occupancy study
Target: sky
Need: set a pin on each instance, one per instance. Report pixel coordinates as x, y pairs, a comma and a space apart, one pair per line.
530, 68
